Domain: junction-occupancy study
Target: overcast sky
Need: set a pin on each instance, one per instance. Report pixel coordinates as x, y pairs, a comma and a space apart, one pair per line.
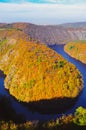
43, 11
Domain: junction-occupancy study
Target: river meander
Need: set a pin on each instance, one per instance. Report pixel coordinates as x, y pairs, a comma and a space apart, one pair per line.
30, 115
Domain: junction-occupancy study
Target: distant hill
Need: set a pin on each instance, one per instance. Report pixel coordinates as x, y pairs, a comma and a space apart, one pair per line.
75, 25
52, 34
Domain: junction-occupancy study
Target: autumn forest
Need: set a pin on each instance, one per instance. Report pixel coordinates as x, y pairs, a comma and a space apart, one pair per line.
36, 75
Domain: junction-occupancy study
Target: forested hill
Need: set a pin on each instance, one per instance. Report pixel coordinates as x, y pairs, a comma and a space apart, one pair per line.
52, 34
32, 68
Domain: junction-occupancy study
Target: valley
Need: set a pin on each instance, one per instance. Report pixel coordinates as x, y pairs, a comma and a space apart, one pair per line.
51, 34
36, 73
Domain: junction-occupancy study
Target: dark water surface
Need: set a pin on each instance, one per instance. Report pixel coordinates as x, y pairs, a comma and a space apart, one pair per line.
81, 67
28, 114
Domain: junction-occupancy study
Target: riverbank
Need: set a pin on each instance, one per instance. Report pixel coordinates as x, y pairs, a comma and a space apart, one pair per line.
63, 107
51, 124
81, 67
76, 50
69, 122
53, 77
2, 74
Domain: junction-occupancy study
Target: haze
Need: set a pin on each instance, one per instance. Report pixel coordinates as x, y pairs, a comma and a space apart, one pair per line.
42, 11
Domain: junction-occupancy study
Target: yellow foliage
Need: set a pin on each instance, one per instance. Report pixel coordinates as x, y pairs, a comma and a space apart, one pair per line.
35, 72
77, 50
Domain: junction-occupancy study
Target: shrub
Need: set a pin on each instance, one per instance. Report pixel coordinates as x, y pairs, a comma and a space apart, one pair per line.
71, 47
80, 116
60, 64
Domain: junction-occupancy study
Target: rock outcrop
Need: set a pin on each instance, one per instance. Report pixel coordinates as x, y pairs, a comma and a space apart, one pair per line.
52, 34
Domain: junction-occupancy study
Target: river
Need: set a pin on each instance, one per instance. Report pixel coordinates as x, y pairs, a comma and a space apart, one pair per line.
33, 116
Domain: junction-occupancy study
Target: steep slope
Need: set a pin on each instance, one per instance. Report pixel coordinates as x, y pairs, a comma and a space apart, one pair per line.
9, 38
77, 50
6, 33
45, 34
35, 72
52, 34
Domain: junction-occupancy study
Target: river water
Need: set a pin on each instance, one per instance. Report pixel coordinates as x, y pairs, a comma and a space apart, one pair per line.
33, 116
81, 67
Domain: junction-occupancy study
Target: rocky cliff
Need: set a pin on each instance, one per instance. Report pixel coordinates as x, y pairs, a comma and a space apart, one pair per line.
57, 34
52, 34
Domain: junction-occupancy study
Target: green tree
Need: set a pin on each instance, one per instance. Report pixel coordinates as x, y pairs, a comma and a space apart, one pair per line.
80, 116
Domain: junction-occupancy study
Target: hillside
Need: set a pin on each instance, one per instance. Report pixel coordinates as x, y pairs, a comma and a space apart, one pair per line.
33, 71
75, 25
52, 34
77, 50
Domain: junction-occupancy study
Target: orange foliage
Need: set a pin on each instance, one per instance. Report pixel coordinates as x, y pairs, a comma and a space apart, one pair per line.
77, 50
35, 72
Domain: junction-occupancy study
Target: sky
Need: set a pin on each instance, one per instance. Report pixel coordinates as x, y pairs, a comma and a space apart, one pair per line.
43, 11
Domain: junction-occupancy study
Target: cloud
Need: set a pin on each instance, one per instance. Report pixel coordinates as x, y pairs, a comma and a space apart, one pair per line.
42, 13
46, 1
